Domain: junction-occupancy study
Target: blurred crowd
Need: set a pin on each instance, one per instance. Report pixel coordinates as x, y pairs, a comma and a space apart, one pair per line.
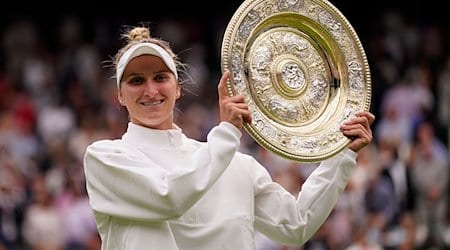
57, 95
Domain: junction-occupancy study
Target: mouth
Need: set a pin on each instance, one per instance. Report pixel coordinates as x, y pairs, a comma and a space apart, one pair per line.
151, 103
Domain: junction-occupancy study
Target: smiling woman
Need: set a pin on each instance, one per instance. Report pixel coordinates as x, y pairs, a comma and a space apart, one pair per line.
157, 188
149, 93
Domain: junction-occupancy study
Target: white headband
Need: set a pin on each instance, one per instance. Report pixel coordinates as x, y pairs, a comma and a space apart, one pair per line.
144, 49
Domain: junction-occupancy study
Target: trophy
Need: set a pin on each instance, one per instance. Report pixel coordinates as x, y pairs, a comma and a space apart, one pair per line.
303, 72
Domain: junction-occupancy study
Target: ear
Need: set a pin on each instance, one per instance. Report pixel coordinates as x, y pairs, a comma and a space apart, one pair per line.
120, 99
178, 94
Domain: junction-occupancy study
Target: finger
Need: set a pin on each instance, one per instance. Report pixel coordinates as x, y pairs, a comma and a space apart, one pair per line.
222, 87
236, 99
247, 117
243, 116
358, 138
238, 110
356, 132
354, 128
234, 102
238, 106
370, 117
362, 120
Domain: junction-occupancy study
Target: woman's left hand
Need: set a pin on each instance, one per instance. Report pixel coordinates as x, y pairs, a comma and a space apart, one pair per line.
233, 109
358, 130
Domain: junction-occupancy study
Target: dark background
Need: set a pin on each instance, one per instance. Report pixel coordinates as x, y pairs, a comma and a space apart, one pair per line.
103, 22
360, 13
212, 15
47, 14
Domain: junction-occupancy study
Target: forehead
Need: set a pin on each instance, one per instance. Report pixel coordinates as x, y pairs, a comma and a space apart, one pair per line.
145, 63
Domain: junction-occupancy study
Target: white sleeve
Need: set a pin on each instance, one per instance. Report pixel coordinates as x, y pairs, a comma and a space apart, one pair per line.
282, 217
122, 183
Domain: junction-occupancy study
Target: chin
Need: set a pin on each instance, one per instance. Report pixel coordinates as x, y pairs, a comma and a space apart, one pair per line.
158, 125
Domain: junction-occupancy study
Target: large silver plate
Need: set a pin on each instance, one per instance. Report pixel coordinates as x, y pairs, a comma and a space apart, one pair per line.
303, 71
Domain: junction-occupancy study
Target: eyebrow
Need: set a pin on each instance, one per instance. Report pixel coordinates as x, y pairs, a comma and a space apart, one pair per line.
165, 71
162, 70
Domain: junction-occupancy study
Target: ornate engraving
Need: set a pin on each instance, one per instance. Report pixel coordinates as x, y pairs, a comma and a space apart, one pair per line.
292, 75
303, 72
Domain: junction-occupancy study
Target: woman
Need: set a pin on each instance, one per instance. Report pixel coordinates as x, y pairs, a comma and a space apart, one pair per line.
157, 189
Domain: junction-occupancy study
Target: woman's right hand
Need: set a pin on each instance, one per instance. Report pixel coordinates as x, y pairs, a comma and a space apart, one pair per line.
233, 109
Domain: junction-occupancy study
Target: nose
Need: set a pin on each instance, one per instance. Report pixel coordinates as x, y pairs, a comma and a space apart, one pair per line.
151, 88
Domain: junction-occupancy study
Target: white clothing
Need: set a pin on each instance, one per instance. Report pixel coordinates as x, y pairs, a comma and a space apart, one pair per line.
158, 189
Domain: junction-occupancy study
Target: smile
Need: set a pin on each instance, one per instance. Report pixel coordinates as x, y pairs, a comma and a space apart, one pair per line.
152, 103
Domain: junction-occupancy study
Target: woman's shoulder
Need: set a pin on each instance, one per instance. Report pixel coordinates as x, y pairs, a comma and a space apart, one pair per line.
106, 145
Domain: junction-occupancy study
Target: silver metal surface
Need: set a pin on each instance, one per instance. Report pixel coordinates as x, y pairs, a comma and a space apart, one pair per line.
303, 71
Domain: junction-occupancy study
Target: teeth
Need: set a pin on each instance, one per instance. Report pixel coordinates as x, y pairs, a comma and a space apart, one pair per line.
151, 103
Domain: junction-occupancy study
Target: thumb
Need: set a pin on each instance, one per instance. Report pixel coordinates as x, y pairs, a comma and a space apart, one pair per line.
222, 87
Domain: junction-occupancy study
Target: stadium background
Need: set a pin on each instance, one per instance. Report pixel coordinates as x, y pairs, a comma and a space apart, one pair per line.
56, 96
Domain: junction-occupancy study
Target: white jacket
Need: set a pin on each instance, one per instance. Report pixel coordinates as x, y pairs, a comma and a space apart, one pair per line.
158, 189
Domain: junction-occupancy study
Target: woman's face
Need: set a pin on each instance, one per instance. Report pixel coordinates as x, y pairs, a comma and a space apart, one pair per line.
149, 90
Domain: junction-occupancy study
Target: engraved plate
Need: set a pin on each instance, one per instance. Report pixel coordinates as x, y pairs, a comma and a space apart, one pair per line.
303, 71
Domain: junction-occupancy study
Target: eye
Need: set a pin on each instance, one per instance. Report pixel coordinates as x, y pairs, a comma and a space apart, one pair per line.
136, 80
162, 77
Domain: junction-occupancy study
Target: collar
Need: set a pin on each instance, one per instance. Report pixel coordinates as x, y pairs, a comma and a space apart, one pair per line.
147, 137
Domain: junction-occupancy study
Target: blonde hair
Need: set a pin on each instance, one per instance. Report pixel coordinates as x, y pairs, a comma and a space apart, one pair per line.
141, 34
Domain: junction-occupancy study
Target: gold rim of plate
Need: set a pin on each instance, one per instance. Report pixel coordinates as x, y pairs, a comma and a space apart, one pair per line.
303, 72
